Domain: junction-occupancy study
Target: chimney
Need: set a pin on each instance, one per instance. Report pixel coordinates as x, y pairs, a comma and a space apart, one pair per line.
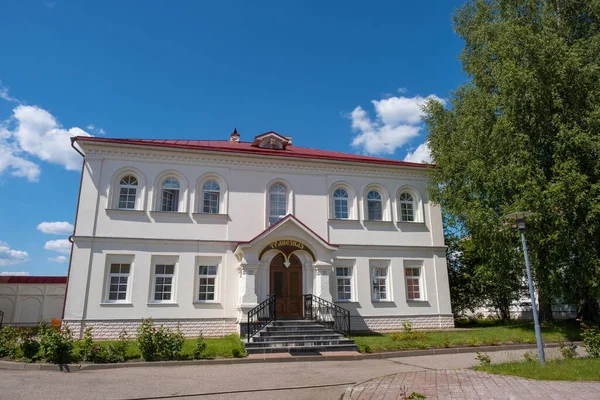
235, 136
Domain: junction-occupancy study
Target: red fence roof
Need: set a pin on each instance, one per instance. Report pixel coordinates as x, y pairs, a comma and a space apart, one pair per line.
33, 279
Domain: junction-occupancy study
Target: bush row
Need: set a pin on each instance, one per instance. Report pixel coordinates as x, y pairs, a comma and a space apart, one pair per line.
55, 344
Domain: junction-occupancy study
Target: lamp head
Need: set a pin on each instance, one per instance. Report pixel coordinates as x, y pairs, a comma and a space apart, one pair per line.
519, 216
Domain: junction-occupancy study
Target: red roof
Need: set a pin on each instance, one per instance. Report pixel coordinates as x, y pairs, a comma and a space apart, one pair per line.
33, 279
247, 148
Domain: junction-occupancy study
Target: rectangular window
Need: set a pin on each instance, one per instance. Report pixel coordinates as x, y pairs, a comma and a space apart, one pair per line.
406, 212
127, 198
344, 283
341, 208
380, 280
207, 282
211, 203
277, 208
413, 283
164, 278
170, 199
374, 210
118, 282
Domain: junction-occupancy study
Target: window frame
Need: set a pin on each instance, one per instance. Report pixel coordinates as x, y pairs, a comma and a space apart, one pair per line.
386, 284
175, 200
380, 201
335, 199
269, 202
128, 186
350, 284
163, 261
211, 191
421, 280
402, 202
200, 276
110, 275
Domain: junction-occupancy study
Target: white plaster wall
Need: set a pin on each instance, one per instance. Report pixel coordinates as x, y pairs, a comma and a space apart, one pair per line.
29, 303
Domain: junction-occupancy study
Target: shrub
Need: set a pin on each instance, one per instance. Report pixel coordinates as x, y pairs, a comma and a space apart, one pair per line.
9, 342
162, 343
56, 343
200, 348
591, 339
86, 346
528, 357
29, 346
483, 359
406, 327
568, 351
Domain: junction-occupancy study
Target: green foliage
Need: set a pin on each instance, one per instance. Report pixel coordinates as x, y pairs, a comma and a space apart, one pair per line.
56, 343
576, 369
568, 351
591, 339
406, 326
9, 336
412, 396
29, 345
200, 348
528, 357
523, 134
483, 358
159, 344
86, 346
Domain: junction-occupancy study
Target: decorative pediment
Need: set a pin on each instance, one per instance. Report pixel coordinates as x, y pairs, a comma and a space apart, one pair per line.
272, 140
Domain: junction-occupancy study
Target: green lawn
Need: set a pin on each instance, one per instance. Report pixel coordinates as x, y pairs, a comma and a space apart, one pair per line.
215, 347
472, 334
577, 369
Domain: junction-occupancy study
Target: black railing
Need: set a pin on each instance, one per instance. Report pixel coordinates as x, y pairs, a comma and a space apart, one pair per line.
326, 313
261, 315
1, 318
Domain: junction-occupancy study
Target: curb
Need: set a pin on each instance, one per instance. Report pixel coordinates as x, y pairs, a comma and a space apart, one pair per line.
14, 365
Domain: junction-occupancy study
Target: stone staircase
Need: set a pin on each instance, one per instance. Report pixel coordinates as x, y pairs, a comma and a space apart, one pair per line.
299, 336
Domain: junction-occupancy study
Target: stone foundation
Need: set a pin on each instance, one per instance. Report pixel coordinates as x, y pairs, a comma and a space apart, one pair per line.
110, 329
394, 323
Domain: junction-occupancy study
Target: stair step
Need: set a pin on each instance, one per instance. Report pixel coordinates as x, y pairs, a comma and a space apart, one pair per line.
302, 349
304, 327
296, 333
294, 322
272, 338
300, 343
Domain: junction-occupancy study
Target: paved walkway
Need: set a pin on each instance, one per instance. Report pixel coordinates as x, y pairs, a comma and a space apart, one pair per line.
469, 384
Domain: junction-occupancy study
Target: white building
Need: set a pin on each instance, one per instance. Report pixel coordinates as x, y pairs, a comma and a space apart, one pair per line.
199, 232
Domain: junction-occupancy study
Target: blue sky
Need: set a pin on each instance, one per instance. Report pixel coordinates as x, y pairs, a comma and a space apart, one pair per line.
338, 75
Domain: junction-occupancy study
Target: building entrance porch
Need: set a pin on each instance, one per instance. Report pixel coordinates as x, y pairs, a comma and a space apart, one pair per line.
286, 284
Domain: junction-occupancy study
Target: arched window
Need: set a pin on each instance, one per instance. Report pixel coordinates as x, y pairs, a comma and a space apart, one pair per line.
340, 204
374, 206
277, 203
128, 192
211, 197
407, 207
170, 195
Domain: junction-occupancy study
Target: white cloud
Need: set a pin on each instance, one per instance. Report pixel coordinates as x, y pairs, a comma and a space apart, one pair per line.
11, 161
9, 256
15, 273
5, 96
420, 155
397, 121
56, 228
38, 133
97, 130
60, 245
59, 259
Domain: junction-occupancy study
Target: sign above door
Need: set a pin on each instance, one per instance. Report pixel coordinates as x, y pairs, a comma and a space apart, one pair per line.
287, 248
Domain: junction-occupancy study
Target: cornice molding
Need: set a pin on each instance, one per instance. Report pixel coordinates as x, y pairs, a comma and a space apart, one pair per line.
189, 157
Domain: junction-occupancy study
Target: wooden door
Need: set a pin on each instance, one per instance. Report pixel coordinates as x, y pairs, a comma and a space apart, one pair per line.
286, 284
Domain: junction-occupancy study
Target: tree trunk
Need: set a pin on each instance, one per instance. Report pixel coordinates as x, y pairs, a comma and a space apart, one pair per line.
588, 309
545, 310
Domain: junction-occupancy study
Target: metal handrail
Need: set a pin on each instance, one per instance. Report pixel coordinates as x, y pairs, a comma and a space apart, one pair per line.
326, 313
261, 315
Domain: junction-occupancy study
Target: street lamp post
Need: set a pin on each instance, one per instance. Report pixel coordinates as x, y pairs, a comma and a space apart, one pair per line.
520, 218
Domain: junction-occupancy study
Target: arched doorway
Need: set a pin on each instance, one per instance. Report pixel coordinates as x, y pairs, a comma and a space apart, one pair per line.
286, 284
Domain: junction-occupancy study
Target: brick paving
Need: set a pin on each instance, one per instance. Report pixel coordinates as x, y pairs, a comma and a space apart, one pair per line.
470, 385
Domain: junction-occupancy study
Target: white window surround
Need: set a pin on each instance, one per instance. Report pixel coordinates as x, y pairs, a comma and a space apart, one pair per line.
199, 194
344, 284
289, 200
352, 209
418, 212
416, 272
218, 278
169, 261
115, 272
157, 191
380, 280
385, 203
115, 189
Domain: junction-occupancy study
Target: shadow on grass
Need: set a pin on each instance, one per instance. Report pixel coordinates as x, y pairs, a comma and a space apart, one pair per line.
569, 328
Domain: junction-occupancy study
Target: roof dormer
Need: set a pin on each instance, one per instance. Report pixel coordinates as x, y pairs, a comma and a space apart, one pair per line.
272, 140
